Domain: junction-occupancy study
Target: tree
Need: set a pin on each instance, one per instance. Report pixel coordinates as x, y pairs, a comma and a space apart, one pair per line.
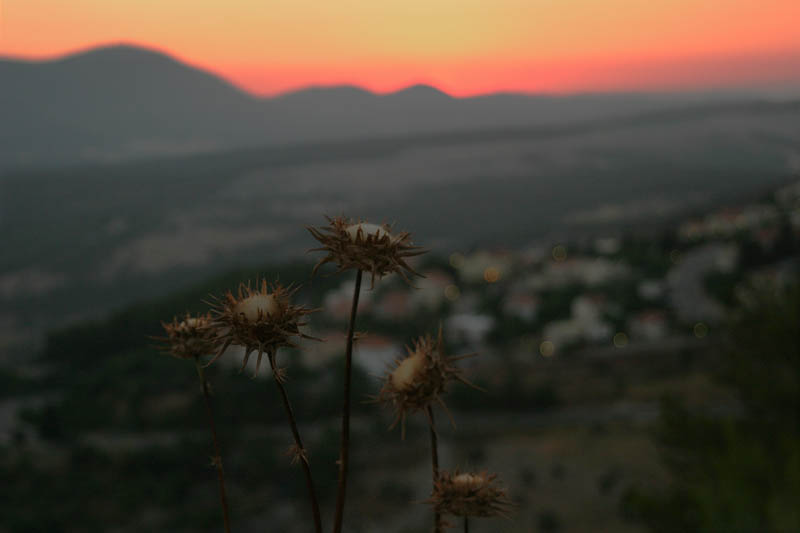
739, 470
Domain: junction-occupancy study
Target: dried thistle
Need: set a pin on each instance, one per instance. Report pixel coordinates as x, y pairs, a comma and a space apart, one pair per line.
469, 494
366, 248
189, 338
420, 379
192, 338
258, 319
372, 248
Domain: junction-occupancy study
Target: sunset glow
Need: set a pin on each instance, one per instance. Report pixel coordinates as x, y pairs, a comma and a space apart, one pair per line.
462, 46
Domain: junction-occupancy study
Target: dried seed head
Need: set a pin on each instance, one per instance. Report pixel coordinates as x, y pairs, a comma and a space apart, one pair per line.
469, 494
369, 247
468, 481
189, 338
407, 372
366, 230
260, 319
419, 379
257, 306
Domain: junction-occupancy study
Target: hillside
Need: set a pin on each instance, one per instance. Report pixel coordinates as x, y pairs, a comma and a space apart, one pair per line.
83, 240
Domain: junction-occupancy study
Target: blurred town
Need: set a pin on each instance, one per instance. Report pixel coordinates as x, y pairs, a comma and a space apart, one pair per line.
577, 344
594, 297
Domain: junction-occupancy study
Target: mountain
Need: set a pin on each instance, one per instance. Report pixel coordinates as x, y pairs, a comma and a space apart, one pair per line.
122, 102
117, 101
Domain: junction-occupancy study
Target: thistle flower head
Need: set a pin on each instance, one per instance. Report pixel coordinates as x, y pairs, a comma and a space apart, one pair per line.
419, 379
369, 247
469, 494
365, 230
260, 319
189, 337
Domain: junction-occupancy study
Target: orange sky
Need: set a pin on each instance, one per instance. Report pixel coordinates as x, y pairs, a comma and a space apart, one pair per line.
462, 46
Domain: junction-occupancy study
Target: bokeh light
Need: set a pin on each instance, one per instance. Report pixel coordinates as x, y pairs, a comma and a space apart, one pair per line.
700, 330
547, 348
491, 275
620, 339
456, 260
452, 293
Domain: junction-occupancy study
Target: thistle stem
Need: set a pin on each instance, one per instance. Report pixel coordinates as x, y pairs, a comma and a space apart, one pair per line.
217, 456
301, 451
345, 447
466, 525
437, 517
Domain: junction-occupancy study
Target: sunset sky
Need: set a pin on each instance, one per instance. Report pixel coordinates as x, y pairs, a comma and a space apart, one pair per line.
464, 47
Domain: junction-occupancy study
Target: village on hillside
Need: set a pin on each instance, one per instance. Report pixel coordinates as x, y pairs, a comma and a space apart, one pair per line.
597, 297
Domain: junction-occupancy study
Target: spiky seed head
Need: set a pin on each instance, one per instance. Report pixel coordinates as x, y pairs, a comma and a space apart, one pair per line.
469, 494
468, 481
365, 229
369, 247
420, 379
261, 319
407, 372
189, 337
256, 307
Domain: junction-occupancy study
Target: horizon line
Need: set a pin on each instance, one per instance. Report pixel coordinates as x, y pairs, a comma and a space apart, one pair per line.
169, 54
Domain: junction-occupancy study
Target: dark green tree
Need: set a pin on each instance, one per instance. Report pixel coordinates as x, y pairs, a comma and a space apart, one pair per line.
737, 469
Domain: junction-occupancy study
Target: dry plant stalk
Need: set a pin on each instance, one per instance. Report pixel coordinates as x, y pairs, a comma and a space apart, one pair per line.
193, 338
297, 451
438, 526
263, 319
415, 383
369, 248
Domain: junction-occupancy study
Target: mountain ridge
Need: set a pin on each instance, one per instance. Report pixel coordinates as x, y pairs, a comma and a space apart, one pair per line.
122, 102
124, 50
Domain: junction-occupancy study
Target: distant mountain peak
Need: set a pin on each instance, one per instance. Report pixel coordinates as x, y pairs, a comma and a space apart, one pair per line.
421, 90
117, 52
123, 47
